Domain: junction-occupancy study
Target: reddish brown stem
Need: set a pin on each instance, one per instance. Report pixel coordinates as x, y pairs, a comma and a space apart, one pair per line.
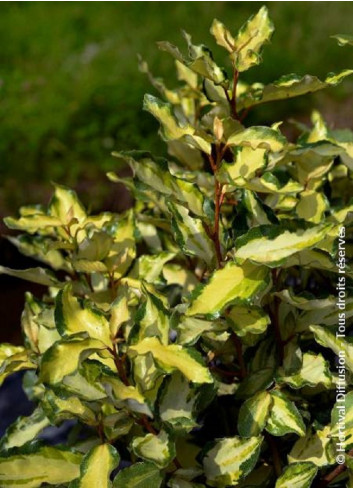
275, 320
145, 422
218, 203
100, 430
276, 459
218, 199
239, 349
119, 363
336, 471
226, 373
233, 102
230, 202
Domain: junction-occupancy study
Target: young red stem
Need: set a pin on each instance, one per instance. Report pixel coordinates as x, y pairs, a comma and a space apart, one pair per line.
233, 102
276, 459
119, 363
335, 472
239, 349
218, 199
275, 321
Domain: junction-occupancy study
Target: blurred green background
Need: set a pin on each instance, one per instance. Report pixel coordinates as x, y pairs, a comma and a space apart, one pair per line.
71, 91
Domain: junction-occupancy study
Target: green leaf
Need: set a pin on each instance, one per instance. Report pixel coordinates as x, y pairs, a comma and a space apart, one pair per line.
289, 86
65, 205
119, 311
317, 448
116, 423
258, 137
12, 359
268, 183
284, 416
44, 465
141, 474
24, 429
315, 370
250, 40
232, 283
190, 329
222, 35
97, 465
299, 474
153, 319
177, 403
36, 275
176, 274
230, 460
272, 244
249, 319
84, 383
73, 317
325, 337
149, 267
34, 223
253, 414
58, 409
312, 206
162, 111
155, 173
200, 60
190, 234
173, 357
65, 356
159, 449
123, 250
246, 163
122, 394
344, 39
256, 381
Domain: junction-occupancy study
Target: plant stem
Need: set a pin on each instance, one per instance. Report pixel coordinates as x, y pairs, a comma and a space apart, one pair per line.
100, 430
276, 459
275, 321
218, 199
147, 425
239, 349
335, 472
218, 203
226, 373
233, 101
119, 363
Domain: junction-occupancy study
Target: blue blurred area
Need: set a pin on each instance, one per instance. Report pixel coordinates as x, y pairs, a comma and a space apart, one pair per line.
14, 403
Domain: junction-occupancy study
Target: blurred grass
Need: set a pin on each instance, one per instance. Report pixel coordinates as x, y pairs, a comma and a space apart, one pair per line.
71, 92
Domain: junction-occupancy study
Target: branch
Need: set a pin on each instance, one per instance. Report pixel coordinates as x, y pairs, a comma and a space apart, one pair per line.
233, 102
275, 321
336, 471
276, 459
239, 349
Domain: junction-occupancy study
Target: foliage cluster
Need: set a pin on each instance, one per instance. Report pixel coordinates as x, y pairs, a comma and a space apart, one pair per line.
193, 337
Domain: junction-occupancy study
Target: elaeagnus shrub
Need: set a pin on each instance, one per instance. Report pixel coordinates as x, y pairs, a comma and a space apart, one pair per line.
199, 338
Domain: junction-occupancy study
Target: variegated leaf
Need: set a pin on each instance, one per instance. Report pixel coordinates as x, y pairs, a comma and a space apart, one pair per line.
159, 449
233, 283
284, 416
171, 357
230, 460
140, 474
254, 413
97, 465
299, 474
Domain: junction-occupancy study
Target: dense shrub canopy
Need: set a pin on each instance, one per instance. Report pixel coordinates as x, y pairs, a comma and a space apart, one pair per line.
193, 337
